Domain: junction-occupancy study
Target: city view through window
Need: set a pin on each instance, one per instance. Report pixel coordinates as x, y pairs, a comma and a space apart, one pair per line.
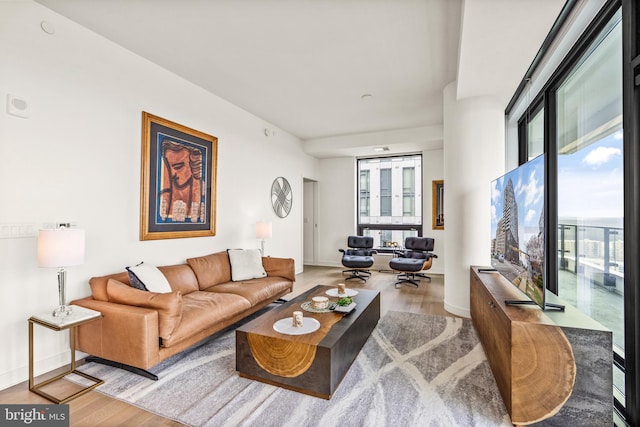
590, 232
590, 186
390, 199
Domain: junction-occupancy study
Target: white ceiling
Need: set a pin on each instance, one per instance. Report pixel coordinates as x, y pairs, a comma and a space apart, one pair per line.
303, 65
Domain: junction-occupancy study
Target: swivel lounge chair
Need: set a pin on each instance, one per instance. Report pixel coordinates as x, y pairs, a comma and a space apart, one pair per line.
416, 258
358, 258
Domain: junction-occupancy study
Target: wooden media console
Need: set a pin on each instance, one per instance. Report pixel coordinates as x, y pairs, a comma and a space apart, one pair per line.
530, 356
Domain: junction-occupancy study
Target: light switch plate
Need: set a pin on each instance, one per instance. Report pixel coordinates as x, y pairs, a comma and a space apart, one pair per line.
18, 230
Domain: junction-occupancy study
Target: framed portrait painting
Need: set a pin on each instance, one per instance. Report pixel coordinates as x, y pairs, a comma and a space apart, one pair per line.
178, 181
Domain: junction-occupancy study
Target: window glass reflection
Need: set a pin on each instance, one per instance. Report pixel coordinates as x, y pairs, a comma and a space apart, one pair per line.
590, 185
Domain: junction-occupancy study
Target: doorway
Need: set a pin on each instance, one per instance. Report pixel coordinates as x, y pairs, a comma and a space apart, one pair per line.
310, 222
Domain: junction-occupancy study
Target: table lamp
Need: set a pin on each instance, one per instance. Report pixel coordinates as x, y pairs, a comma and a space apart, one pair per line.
60, 248
263, 231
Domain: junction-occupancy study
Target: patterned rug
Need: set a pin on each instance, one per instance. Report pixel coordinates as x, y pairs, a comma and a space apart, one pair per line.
415, 370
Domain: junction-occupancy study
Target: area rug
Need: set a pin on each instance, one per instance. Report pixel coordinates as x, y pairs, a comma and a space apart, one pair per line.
415, 370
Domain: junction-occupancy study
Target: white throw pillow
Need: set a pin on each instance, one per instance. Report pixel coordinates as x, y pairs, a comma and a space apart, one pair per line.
151, 277
246, 264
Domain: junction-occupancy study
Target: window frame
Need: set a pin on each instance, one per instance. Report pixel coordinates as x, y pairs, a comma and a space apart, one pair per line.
362, 227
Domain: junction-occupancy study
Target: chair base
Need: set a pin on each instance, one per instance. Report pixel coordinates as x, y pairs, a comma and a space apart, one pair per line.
412, 279
357, 274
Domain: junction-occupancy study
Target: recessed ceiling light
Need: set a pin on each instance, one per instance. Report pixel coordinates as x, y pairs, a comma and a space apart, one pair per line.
380, 149
366, 96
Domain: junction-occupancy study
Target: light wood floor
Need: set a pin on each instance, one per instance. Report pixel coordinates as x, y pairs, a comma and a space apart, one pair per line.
96, 409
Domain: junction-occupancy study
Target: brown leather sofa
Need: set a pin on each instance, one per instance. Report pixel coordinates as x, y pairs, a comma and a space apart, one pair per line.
140, 328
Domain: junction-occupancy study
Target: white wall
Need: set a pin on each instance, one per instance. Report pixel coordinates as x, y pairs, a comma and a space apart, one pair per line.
77, 158
337, 207
474, 132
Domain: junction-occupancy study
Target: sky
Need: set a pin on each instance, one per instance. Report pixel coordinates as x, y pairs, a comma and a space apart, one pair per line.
590, 181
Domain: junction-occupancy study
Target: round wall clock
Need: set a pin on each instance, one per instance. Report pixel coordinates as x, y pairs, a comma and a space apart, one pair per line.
281, 197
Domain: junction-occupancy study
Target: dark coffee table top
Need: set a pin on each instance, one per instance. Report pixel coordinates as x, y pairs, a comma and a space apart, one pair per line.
332, 324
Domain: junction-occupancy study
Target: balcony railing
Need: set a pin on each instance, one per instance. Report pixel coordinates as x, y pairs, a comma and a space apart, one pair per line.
593, 251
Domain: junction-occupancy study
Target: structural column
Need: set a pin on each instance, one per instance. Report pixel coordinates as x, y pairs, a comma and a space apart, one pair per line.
474, 156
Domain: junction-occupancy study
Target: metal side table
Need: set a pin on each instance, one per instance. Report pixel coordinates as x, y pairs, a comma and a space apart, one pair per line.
78, 316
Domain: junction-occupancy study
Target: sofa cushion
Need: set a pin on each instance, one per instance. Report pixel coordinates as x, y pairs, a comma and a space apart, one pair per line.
283, 267
181, 278
201, 310
254, 290
150, 277
168, 305
99, 284
211, 269
246, 264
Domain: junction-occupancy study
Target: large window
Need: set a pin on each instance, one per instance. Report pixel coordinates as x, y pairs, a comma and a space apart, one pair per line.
390, 199
590, 184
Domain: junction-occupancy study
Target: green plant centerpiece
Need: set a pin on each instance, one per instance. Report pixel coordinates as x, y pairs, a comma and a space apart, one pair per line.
345, 301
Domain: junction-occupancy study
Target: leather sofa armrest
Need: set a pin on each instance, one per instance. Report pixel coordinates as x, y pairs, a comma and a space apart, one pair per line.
125, 334
281, 267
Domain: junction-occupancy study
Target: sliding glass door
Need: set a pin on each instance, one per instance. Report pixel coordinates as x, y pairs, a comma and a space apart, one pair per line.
590, 184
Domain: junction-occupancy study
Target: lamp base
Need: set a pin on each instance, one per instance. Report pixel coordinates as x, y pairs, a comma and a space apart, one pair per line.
62, 311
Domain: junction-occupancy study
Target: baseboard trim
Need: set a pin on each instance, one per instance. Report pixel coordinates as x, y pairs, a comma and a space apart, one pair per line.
458, 311
41, 366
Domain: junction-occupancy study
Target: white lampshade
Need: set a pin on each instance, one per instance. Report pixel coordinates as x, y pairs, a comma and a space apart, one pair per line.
263, 230
60, 247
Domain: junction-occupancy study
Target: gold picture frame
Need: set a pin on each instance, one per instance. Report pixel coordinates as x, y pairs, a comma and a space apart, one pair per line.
437, 205
178, 181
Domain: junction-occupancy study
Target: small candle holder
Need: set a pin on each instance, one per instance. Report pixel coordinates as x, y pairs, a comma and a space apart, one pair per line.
297, 319
320, 303
342, 289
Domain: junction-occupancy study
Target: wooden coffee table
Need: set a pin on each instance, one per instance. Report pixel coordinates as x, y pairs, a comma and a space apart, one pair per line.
312, 363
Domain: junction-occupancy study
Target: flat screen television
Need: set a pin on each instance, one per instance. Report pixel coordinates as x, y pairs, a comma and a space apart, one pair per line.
518, 230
